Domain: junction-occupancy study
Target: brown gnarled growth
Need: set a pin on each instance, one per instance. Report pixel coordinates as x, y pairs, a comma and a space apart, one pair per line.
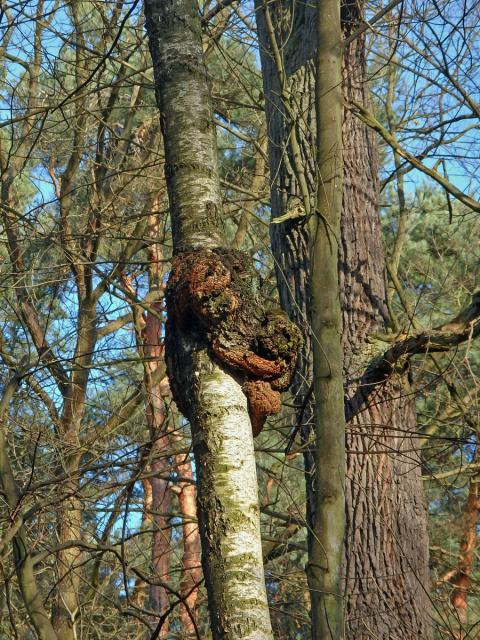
263, 401
207, 297
211, 293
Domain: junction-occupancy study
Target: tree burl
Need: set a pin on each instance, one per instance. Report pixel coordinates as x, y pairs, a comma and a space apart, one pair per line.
211, 298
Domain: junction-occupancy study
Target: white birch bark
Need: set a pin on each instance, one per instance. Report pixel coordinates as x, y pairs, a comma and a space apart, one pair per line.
211, 398
232, 555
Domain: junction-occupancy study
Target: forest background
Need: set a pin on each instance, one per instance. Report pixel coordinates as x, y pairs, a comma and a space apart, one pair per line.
103, 517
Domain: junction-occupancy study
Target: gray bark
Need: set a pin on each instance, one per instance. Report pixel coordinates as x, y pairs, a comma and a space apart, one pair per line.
210, 397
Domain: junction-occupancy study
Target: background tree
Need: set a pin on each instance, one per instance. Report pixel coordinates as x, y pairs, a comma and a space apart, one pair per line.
80, 146
384, 495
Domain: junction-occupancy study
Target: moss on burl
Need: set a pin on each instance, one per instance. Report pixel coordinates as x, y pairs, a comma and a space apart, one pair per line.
211, 293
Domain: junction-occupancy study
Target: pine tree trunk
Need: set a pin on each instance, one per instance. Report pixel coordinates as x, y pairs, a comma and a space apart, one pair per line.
159, 467
386, 549
68, 560
462, 579
191, 567
155, 413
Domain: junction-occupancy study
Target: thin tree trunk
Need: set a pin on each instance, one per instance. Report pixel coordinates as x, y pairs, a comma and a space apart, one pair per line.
257, 183
393, 262
73, 390
140, 590
69, 559
148, 328
386, 548
326, 540
207, 394
157, 501
24, 562
160, 505
155, 412
69, 515
468, 545
191, 559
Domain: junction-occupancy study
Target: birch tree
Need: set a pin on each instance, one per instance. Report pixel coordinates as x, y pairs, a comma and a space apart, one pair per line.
227, 359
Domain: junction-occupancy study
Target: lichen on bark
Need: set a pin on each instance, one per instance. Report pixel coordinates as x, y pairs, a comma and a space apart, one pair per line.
211, 296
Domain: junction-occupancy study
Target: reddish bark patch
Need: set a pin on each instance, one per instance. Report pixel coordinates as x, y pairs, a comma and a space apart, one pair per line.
212, 293
247, 361
263, 401
462, 578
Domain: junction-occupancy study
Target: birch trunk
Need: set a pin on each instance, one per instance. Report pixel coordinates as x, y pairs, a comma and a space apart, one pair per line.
210, 397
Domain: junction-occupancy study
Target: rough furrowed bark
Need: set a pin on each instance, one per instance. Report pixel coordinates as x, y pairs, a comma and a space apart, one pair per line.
212, 349
386, 588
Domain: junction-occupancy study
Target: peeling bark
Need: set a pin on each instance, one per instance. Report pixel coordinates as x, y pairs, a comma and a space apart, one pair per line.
148, 328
